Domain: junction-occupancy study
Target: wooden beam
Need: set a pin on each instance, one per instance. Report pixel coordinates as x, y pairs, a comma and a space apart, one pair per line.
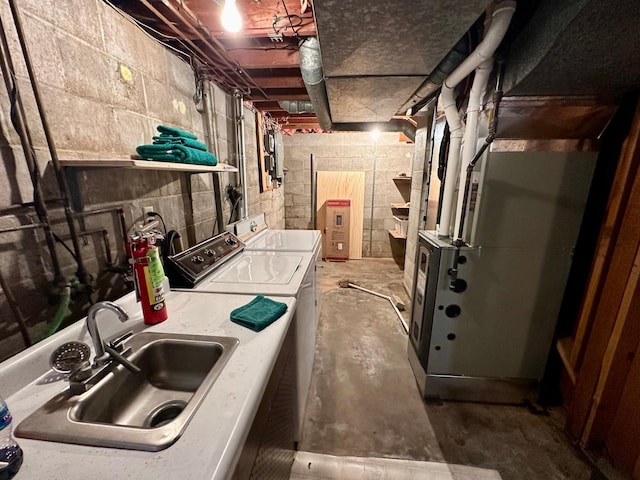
296, 116
267, 105
276, 58
613, 216
281, 96
617, 360
295, 126
257, 17
612, 282
622, 440
279, 82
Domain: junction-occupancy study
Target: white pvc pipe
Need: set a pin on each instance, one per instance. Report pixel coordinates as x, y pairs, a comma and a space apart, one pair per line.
495, 33
478, 89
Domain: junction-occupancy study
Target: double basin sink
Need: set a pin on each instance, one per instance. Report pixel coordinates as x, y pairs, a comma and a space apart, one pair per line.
144, 411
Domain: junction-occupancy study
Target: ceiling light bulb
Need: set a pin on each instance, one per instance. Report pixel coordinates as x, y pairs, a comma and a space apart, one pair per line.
231, 20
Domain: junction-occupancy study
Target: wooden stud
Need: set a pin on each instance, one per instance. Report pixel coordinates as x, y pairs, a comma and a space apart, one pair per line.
616, 363
629, 160
623, 243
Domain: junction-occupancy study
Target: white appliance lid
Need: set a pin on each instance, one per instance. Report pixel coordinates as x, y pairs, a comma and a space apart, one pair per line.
259, 269
290, 240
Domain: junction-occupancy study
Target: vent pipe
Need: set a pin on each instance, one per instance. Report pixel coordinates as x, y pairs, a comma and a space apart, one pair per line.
434, 81
497, 29
313, 77
296, 106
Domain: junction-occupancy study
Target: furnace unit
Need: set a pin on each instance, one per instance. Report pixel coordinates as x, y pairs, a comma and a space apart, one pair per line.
484, 334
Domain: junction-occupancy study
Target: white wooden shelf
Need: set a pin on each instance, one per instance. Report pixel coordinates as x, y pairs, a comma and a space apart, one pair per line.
400, 206
147, 165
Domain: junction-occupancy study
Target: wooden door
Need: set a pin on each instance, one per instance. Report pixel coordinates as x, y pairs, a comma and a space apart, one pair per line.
343, 186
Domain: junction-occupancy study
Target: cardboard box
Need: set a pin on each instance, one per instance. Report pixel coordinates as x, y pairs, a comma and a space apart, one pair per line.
336, 232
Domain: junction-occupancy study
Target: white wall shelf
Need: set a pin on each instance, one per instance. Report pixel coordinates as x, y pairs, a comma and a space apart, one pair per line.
142, 164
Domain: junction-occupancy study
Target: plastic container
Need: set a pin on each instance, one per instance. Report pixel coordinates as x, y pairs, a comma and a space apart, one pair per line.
10, 451
402, 224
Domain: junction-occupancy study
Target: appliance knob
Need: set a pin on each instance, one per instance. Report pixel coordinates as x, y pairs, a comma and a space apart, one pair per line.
231, 241
197, 259
209, 252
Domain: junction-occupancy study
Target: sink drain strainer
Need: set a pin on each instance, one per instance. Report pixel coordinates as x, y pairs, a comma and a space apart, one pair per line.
164, 414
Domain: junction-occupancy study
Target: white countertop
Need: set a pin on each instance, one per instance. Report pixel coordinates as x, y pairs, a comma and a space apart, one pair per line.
212, 441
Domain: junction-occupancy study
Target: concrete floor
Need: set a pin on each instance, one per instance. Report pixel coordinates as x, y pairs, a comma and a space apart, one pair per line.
364, 401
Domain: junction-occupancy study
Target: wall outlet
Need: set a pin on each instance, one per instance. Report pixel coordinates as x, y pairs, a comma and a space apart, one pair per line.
146, 210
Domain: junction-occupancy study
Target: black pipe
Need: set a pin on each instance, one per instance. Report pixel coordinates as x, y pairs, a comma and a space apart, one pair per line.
22, 325
99, 211
105, 240
18, 120
83, 276
430, 87
31, 226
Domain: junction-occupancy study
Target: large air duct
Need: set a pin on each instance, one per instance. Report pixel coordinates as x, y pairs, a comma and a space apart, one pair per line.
313, 77
393, 125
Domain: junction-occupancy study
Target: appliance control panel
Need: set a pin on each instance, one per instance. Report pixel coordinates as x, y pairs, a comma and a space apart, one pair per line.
188, 268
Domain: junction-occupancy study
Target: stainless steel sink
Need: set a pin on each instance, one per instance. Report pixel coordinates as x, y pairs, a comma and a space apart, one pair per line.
144, 411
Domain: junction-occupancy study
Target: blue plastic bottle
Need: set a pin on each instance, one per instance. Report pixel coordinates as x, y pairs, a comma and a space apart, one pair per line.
10, 451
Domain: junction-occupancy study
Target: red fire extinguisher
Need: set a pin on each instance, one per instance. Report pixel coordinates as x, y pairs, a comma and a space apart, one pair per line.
148, 276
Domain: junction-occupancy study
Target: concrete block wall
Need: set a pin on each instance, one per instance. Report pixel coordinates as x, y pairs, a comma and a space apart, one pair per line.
381, 159
105, 85
419, 179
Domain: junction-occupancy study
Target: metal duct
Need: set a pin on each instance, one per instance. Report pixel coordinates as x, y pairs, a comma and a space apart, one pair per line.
296, 106
435, 79
393, 125
313, 77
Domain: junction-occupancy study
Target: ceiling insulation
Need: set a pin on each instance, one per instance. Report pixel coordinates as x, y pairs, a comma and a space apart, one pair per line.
577, 47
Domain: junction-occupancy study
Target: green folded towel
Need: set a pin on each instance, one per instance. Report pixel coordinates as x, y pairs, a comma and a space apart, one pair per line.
175, 132
187, 142
174, 152
259, 313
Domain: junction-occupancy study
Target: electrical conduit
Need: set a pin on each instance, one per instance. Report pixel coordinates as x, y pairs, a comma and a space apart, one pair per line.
484, 52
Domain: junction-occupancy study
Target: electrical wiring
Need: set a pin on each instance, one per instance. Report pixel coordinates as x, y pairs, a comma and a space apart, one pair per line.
155, 214
295, 32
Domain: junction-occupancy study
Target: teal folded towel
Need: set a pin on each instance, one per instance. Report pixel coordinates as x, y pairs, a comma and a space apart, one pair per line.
259, 313
176, 132
174, 152
187, 142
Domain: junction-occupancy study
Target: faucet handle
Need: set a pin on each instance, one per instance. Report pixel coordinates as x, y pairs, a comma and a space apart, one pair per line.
117, 342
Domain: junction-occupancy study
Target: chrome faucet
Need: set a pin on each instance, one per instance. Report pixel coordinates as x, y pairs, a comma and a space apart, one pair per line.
86, 375
98, 344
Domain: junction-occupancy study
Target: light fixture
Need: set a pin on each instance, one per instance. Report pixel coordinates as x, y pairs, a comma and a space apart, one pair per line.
231, 20
375, 134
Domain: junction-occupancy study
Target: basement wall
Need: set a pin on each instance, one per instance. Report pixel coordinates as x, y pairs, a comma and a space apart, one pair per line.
105, 86
350, 151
